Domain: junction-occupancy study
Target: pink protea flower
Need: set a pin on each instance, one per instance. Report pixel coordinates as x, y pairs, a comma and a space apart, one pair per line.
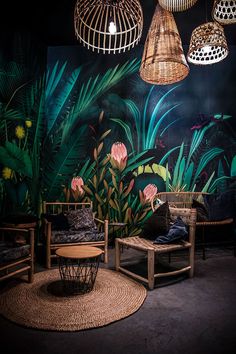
119, 155
149, 192
76, 183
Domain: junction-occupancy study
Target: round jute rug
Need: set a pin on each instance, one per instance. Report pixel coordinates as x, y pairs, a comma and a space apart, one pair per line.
43, 304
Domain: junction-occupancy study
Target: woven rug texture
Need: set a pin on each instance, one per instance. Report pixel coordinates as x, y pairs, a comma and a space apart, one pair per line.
43, 304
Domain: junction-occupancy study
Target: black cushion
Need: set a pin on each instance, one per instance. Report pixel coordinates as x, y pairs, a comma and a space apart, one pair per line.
158, 223
202, 213
221, 206
59, 221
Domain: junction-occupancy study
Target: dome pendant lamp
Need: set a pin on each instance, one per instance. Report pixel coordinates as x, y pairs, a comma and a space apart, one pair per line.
108, 26
177, 5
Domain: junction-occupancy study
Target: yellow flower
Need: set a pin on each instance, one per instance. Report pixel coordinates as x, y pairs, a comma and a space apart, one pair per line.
7, 173
28, 123
20, 132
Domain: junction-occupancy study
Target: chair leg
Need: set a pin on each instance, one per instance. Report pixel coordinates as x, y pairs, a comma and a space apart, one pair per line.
191, 261
151, 264
31, 262
203, 244
117, 254
105, 255
234, 237
48, 259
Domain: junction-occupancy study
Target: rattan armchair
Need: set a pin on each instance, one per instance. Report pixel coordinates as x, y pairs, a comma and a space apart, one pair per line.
153, 251
16, 258
185, 200
56, 239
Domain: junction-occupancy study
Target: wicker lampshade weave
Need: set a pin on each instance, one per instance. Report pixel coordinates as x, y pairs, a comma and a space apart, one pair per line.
224, 11
177, 5
208, 44
163, 60
109, 26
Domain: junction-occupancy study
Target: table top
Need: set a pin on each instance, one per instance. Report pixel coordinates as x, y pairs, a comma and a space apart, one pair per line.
78, 252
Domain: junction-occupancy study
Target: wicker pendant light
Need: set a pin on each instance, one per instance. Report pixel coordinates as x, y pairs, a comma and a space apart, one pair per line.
208, 44
177, 5
109, 26
224, 11
163, 60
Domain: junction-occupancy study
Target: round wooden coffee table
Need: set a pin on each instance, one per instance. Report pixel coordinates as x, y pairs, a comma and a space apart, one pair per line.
78, 266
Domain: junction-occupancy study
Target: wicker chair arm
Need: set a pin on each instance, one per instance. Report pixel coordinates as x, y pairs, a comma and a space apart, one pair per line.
99, 220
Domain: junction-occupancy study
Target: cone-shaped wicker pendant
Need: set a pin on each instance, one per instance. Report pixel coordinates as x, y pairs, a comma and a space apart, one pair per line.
163, 60
177, 5
224, 11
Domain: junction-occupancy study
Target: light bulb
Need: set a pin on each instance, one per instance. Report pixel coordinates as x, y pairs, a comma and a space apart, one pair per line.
112, 27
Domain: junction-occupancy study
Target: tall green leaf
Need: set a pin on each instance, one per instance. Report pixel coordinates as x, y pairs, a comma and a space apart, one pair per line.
63, 165
16, 159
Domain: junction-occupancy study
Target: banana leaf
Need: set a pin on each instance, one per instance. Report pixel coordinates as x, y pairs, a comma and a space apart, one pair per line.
63, 165
16, 159
233, 167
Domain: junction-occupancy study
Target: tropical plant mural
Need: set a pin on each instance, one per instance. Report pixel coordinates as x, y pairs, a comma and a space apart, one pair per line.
76, 134
21, 131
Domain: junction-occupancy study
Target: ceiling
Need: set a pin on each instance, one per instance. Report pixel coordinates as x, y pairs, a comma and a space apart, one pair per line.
51, 22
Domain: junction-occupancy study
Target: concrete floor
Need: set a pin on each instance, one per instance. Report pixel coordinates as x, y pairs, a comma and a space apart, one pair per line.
194, 316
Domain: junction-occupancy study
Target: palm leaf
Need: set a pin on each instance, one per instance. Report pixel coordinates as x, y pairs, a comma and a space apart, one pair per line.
145, 115
137, 119
133, 166
127, 130
205, 159
197, 139
212, 188
177, 165
16, 159
169, 125
64, 164
181, 172
167, 179
165, 157
53, 79
151, 136
188, 175
152, 120
56, 107
233, 167
100, 84
207, 185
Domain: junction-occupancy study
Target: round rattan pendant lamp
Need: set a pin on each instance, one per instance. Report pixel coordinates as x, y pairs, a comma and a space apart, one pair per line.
177, 5
208, 44
163, 60
108, 26
224, 11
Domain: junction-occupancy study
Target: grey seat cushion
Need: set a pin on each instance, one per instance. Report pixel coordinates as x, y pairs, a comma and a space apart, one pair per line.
8, 254
70, 236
